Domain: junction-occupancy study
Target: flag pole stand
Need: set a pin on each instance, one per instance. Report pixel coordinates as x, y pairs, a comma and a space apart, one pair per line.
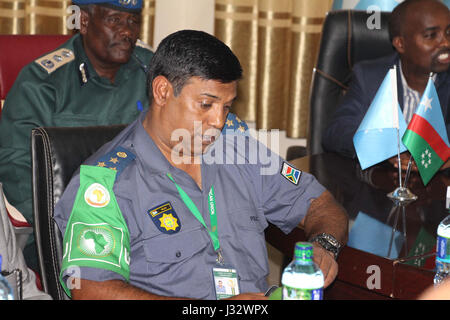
402, 195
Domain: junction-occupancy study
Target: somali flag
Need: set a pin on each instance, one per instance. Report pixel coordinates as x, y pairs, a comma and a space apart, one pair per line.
383, 5
376, 138
426, 137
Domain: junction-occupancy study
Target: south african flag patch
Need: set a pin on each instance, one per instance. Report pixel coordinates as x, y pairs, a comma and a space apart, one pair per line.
290, 173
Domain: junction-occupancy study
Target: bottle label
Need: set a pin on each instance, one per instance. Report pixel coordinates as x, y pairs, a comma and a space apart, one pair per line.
443, 249
290, 293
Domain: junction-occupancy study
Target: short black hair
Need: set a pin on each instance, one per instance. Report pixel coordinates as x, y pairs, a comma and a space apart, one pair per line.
191, 53
398, 16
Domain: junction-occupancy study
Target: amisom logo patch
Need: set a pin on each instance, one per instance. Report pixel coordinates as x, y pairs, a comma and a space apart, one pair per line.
97, 196
96, 241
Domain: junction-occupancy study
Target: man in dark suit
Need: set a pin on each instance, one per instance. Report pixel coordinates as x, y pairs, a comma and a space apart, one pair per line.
420, 33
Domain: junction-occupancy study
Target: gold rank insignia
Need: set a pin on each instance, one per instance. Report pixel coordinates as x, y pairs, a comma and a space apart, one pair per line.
53, 60
116, 159
234, 125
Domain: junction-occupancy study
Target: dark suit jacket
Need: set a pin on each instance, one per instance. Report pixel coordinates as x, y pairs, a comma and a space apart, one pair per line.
367, 78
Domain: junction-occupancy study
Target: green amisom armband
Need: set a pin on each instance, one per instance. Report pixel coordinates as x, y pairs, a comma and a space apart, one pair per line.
96, 234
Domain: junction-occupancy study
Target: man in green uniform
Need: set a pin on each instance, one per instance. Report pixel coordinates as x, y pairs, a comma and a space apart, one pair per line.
98, 77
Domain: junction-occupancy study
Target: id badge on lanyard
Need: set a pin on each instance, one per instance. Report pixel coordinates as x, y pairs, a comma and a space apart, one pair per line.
225, 277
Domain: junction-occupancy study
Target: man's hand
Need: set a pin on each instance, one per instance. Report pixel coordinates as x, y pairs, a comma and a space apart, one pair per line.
440, 292
325, 261
404, 159
326, 215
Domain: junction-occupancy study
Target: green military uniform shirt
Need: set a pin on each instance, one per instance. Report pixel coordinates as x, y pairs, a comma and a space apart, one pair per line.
62, 89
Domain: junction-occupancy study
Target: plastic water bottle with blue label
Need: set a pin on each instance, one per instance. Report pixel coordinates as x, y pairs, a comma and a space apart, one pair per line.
6, 292
302, 279
442, 251
443, 246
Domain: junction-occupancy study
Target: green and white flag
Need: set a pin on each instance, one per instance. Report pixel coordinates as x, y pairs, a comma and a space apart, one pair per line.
96, 234
426, 136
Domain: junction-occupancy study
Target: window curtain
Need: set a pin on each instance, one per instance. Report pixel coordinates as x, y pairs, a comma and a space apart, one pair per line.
277, 42
51, 17
12, 16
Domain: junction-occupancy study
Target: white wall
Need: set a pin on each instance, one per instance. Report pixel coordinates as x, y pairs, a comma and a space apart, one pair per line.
173, 15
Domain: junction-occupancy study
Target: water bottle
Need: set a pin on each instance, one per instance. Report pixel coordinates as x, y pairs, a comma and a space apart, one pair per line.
442, 251
6, 292
302, 279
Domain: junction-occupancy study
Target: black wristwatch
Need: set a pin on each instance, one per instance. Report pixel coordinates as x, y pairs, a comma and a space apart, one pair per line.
328, 242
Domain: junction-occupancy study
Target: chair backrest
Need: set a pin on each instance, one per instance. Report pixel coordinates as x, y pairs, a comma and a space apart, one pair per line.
57, 152
347, 37
19, 50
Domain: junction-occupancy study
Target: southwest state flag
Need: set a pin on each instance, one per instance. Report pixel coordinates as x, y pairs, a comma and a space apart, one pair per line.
383, 5
426, 135
376, 138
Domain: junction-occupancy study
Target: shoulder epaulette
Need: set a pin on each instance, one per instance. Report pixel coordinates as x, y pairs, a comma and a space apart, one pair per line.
54, 60
235, 125
117, 159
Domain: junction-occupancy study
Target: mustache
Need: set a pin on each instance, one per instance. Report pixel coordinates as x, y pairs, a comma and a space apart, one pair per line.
444, 50
125, 40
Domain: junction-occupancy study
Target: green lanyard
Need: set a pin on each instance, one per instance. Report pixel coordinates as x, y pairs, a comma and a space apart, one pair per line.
212, 213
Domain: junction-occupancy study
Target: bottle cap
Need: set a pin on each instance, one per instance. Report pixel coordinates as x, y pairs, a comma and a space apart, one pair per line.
303, 251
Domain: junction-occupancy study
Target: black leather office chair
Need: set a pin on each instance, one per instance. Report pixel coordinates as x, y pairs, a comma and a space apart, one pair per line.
346, 40
56, 155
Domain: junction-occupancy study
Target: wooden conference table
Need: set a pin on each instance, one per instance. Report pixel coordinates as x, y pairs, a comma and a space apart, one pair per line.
391, 250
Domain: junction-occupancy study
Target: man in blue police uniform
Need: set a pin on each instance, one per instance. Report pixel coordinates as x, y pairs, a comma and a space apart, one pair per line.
171, 205
98, 77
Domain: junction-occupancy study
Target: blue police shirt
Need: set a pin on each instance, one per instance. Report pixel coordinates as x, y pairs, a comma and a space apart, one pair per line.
176, 258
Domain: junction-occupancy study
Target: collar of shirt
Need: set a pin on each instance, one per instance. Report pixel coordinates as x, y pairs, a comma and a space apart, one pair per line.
411, 97
154, 162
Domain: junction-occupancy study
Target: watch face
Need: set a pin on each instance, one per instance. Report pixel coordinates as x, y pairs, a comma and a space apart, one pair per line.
329, 246
328, 243
332, 241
